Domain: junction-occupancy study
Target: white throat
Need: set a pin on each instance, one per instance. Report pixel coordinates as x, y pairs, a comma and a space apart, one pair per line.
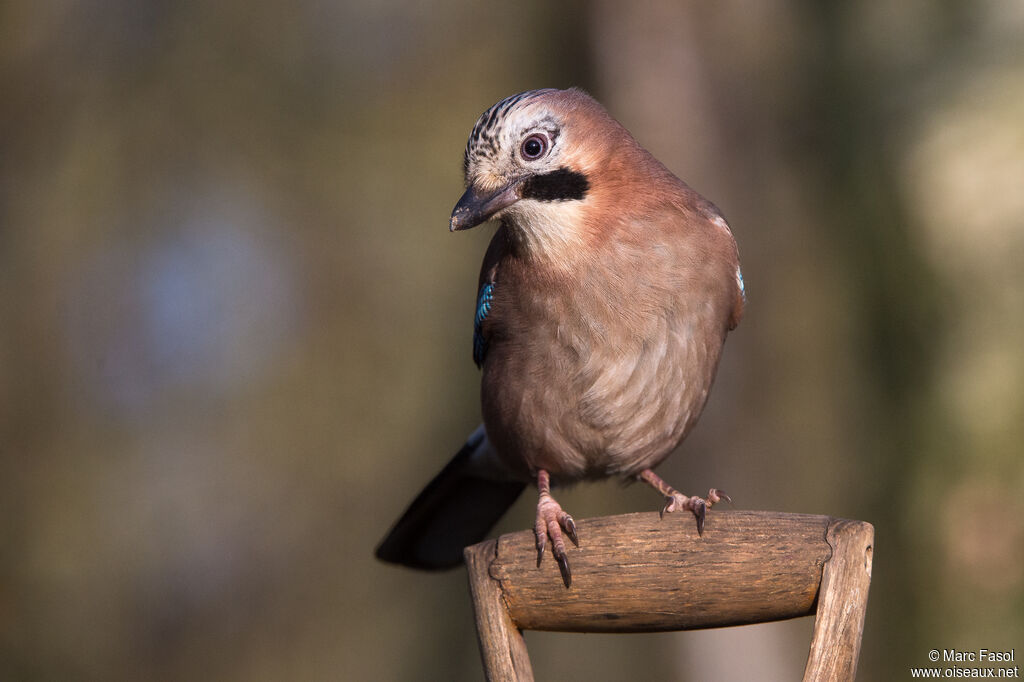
551, 231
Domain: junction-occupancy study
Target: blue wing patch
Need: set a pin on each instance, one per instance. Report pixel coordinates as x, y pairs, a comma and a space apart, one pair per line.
483, 308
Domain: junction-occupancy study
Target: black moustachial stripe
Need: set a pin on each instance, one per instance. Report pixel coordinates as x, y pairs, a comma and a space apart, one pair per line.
558, 185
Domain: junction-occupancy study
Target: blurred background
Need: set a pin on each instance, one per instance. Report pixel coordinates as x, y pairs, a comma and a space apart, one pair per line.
235, 330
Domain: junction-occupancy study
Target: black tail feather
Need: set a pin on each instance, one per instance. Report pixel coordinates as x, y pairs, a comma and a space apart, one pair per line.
455, 510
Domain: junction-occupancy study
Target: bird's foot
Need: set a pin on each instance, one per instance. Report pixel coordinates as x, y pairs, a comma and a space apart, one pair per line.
676, 501
551, 521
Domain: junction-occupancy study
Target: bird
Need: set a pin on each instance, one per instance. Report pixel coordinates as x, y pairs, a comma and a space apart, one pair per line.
603, 303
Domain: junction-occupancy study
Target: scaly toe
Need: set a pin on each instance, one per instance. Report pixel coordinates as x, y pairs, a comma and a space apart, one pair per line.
551, 520
540, 532
675, 502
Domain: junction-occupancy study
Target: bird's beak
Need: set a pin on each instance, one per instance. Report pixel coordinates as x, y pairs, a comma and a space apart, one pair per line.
478, 206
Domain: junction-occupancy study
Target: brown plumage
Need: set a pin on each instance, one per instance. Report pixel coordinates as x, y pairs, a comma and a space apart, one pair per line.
606, 295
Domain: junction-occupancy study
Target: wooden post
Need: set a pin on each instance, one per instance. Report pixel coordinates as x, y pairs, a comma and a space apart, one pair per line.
842, 602
642, 573
501, 643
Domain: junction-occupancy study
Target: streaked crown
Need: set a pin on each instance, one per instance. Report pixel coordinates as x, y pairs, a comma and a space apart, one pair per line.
484, 140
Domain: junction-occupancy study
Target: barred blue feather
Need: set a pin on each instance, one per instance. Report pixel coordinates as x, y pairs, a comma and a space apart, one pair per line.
483, 308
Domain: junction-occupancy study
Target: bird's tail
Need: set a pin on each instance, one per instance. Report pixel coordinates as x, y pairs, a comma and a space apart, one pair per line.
455, 510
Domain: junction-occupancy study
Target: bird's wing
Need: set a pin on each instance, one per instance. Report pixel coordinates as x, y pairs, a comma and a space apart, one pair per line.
710, 212
485, 295
484, 301
739, 302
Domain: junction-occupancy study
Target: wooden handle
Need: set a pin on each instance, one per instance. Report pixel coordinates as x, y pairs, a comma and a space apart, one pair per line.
642, 573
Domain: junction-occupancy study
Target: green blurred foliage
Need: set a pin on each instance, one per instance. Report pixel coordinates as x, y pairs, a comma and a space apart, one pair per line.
234, 330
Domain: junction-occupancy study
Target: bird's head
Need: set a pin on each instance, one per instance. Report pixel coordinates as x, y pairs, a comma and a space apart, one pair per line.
530, 161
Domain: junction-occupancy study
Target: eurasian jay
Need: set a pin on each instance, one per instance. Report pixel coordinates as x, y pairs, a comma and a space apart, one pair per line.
603, 303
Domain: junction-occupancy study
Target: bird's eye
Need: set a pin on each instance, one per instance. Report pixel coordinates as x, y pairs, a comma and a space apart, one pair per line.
534, 147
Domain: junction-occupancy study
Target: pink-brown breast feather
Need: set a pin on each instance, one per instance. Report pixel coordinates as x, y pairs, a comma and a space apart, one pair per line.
603, 369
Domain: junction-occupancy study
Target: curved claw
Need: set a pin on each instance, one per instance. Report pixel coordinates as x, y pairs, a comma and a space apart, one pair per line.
563, 567
570, 529
700, 510
715, 495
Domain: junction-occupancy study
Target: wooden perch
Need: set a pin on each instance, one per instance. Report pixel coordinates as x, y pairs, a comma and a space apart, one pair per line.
641, 573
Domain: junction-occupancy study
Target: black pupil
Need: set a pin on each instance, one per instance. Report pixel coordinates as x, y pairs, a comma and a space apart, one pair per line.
533, 147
